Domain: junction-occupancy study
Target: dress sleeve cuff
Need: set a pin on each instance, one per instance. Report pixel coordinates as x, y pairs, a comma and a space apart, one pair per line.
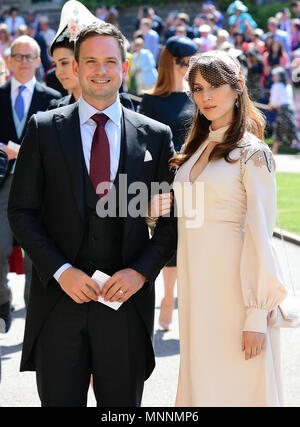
256, 320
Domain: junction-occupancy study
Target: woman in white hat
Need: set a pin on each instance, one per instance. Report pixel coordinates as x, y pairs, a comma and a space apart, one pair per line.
74, 17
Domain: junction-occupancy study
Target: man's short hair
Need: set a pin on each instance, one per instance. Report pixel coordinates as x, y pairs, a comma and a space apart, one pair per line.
100, 28
26, 39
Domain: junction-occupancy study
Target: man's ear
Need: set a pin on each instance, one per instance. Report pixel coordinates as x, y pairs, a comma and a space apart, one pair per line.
75, 67
125, 68
9, 62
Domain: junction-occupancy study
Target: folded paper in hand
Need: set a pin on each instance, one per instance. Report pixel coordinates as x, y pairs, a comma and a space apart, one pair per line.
102, 278
13, 146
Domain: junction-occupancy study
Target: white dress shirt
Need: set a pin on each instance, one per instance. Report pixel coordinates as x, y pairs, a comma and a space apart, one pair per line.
87, 129
27, 93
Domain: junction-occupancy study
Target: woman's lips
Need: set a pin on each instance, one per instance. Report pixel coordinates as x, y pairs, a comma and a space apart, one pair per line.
209, 108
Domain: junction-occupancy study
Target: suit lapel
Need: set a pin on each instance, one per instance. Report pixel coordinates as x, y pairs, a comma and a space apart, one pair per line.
68, 128
9, 115
135, 140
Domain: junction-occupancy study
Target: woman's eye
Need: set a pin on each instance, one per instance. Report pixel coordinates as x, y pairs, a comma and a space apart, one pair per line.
197, 89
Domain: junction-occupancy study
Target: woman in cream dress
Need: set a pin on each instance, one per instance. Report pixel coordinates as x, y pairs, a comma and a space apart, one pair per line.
228, 275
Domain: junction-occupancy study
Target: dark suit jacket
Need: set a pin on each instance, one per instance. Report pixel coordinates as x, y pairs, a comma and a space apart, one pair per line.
41, 98
47, 201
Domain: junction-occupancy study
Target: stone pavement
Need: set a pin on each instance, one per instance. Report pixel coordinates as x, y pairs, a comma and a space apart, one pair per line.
19, 390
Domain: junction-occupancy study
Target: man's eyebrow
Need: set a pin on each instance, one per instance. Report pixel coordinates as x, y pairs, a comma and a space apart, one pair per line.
107, 57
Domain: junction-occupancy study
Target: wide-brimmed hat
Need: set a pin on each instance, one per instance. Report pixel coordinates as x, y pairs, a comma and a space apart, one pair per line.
74, 17
181, 46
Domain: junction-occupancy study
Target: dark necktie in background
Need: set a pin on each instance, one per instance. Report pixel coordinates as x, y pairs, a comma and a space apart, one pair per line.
100, 156
19, 103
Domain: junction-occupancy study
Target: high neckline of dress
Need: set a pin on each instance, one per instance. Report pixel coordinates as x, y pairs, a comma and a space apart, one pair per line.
217, 135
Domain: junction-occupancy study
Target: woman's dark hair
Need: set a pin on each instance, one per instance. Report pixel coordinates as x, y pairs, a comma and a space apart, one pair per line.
66, 43
280, 50
246, 116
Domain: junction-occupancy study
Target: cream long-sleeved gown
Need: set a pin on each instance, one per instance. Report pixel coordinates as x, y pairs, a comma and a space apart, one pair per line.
228, 280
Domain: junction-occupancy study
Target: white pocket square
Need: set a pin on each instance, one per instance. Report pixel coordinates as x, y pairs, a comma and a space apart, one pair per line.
148, 156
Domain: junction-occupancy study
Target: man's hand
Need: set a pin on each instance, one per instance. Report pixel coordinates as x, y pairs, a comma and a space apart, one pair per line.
253, 344
79, 286
11, 154
128, 281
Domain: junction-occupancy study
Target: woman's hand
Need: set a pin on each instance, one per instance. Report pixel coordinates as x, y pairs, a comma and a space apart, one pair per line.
160, 204
253, 344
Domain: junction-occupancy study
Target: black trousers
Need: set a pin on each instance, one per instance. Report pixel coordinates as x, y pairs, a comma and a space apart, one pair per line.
78, 340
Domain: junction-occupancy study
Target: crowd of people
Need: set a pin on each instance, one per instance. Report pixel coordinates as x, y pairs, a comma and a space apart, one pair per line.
260, 52
200, 79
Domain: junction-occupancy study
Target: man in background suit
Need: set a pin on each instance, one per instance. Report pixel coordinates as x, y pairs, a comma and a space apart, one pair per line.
53, 213
21, 97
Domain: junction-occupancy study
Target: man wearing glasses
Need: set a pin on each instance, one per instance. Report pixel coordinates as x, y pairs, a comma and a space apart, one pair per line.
21, 97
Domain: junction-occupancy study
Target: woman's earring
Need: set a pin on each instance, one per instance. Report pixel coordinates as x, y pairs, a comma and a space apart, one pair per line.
237, 104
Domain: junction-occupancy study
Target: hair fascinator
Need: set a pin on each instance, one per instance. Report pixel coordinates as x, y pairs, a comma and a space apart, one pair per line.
74, 17
222, 61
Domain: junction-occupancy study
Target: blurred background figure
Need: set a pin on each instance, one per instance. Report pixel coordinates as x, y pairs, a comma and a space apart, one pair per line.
255, 69
208, 40
150, 37
5, 39
281, 99
181, 19
280, 35
222, 37
13, 21
101, 12
239, 16
45, 30
143, 67
275, 56
3, 71
170, 104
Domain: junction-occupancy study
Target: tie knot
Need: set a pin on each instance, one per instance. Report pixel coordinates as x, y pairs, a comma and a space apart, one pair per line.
21, 88
100, 119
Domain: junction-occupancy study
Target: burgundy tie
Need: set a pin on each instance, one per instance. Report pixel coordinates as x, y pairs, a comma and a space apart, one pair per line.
100, 157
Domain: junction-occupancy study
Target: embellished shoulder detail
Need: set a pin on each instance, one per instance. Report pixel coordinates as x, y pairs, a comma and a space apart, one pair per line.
258, 151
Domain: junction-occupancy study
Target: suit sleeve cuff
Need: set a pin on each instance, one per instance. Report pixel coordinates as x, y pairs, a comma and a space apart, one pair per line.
256, 320
60, 271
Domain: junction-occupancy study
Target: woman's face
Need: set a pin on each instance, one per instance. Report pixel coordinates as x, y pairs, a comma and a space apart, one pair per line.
275, 47
215, 102
63, 58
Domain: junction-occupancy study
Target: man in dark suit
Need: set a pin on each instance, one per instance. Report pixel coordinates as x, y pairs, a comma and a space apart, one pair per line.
21, 97
53, 211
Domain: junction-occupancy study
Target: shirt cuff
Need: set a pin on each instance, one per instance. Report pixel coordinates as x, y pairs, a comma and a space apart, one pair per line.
60, 271
256, 320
